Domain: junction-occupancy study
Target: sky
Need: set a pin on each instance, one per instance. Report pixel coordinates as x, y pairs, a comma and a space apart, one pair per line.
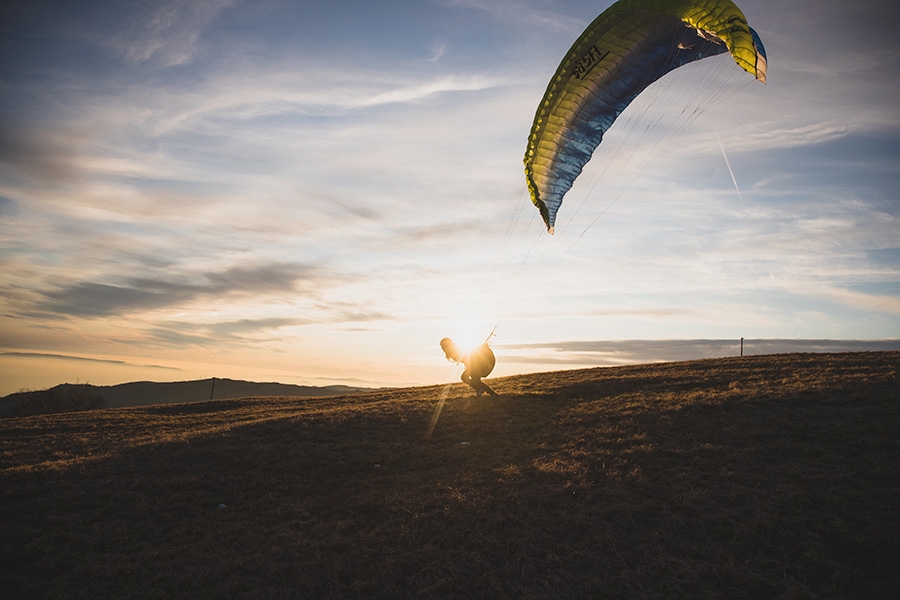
318, 192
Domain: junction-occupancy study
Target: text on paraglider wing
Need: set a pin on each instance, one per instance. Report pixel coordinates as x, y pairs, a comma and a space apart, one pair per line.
588, 62
737, 25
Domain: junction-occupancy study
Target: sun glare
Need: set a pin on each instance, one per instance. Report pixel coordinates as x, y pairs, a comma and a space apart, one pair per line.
469, 333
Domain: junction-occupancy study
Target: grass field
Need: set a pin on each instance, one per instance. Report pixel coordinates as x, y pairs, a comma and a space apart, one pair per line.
759, 477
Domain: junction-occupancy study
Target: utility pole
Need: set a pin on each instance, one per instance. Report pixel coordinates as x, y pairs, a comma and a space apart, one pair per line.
742, 346
213, 390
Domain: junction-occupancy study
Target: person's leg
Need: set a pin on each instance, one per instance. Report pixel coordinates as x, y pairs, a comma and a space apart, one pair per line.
470, 381
479, 386
488, 389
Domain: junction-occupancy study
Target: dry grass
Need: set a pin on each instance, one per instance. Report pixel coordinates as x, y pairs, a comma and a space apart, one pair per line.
762, 477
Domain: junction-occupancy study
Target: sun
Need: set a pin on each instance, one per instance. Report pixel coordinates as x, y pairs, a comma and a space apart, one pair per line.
469, 333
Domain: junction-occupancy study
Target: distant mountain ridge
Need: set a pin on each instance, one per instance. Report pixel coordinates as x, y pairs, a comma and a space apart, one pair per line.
144, 393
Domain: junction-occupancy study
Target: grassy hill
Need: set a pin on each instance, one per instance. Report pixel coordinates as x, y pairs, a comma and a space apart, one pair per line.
762, 477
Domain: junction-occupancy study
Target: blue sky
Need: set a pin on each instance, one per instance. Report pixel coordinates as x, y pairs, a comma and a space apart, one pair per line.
317, 192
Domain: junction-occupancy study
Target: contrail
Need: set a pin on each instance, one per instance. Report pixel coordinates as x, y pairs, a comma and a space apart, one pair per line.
728, 164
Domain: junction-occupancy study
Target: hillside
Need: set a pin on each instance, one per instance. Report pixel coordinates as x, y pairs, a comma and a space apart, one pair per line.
762, 477
145, 393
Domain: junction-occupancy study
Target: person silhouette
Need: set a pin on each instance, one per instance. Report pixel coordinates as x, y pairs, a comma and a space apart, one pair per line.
479, 363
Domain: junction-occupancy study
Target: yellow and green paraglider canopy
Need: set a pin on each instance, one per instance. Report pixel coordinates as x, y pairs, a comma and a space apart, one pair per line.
625, 49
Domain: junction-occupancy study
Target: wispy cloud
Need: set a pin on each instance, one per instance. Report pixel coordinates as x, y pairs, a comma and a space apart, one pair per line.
180, 334
551, 16
757, 138
44, 355
438, 50
306, 90
164, 32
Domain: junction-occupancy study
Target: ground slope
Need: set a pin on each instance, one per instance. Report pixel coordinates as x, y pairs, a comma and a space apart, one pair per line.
763, 477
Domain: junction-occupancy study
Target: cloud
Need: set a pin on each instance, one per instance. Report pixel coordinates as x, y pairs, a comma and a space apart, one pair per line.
438, 50
41, 154
781, 138
420, 91
92, 299
43, 355
343, 312
606, 353
308, 89
523, 11
242, 331
876, 303
166, 32
8, 206
245, 327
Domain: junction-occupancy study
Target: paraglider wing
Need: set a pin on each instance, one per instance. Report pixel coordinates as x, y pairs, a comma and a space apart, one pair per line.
629, 46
